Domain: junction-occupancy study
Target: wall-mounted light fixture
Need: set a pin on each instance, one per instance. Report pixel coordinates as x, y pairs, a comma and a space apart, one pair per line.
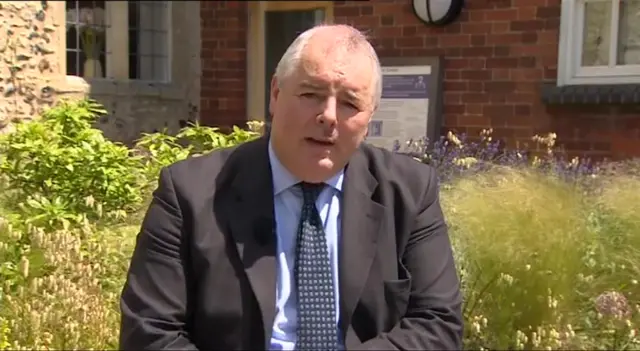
437, 12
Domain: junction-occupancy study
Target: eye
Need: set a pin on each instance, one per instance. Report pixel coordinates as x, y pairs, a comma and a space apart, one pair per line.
309, 95
350, 105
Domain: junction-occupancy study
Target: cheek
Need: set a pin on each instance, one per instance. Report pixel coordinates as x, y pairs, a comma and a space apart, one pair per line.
355, 128
297, 112
285, 110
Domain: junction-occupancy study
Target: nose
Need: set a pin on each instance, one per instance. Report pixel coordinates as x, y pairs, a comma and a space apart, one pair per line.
328, 116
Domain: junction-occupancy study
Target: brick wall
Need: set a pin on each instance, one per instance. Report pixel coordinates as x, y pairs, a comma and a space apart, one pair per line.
496, 56
224, 63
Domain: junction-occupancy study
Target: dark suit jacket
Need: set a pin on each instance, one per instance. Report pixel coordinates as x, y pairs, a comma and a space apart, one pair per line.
203, 274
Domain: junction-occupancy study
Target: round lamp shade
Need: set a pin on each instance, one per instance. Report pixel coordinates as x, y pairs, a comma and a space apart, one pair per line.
438, 12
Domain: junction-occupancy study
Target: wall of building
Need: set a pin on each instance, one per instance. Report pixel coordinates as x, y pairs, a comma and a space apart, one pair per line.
224, 62
29, 69
497, 56
33, 73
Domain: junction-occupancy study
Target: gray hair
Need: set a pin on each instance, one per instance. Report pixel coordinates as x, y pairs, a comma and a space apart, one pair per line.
354, 39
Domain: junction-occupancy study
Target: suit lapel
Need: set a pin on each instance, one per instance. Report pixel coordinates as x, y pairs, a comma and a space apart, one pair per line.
361, 220
252, 223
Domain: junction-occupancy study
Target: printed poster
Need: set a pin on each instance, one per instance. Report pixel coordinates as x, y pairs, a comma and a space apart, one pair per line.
404, 107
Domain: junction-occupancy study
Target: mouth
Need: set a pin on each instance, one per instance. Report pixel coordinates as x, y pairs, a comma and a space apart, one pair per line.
320, 142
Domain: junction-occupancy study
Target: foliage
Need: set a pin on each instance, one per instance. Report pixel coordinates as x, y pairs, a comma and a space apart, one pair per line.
535, 255
60, 165
64, 294
62, 171
160, 150
546, 246
455, 156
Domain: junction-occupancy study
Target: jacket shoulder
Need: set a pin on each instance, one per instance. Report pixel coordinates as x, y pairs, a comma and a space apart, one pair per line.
204, 171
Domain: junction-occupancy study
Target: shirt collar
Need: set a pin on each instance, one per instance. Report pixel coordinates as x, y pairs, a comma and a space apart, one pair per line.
283, 179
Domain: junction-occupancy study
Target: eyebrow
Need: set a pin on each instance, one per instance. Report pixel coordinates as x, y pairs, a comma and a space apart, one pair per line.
311, 85
308, 84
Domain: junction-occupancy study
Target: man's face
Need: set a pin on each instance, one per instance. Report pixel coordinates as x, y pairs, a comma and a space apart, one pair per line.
321, 110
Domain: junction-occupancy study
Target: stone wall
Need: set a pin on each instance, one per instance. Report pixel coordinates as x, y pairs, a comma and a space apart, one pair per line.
33, 73
29, 70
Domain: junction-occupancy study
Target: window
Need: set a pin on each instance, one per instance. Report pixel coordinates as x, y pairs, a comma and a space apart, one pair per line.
86, 38
148, 40
599, 42
118, 39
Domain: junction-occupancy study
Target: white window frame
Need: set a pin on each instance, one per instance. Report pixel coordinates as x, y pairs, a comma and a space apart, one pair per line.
117, 45
570, 50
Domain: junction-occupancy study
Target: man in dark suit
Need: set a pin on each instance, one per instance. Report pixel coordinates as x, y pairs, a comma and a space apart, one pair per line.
306, 238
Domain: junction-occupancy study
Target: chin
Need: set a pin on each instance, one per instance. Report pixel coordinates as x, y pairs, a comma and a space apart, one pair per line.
325, 163
319, 171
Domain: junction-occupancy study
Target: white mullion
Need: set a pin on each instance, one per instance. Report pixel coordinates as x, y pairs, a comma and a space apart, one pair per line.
578, 24
117, 40
613, 39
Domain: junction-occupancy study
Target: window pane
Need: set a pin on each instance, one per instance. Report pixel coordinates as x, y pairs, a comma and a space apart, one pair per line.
160, 67
86, 24
149, 40
629, 33
596, 35
160, 44
160, 20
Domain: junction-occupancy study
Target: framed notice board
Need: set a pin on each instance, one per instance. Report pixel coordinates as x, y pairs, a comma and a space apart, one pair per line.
411, 104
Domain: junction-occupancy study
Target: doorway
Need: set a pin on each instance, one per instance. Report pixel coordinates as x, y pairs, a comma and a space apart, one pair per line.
273, 25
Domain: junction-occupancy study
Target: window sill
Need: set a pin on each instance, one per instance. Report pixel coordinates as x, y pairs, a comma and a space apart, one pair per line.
620, 94
125, 87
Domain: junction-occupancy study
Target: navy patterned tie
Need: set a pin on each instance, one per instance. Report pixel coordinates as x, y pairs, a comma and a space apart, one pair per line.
317, 328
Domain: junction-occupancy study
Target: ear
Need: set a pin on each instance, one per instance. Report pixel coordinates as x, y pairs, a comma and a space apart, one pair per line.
273, 95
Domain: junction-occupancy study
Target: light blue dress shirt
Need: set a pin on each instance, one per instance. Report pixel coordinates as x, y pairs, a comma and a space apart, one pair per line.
287, 206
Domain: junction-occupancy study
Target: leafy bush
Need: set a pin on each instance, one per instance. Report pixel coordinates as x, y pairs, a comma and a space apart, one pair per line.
159, 150
61, 169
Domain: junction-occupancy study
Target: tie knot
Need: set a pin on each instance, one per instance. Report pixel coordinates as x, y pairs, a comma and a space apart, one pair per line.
310, 191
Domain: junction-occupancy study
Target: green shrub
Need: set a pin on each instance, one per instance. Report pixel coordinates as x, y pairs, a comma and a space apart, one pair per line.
159, 150
60, 168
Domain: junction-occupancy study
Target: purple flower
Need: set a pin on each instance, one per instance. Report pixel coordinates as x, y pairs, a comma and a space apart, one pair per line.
444, 154
613, 304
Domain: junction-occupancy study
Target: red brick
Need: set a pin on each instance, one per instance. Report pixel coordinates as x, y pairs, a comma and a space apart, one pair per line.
478, 40
548, 12
531, 25
455, 40
501, 74
501, 15
476, 27
527, 12
409, 42
504, 39
474, 120
473, 109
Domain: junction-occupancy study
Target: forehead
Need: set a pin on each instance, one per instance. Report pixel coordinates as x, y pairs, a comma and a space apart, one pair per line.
337, 67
